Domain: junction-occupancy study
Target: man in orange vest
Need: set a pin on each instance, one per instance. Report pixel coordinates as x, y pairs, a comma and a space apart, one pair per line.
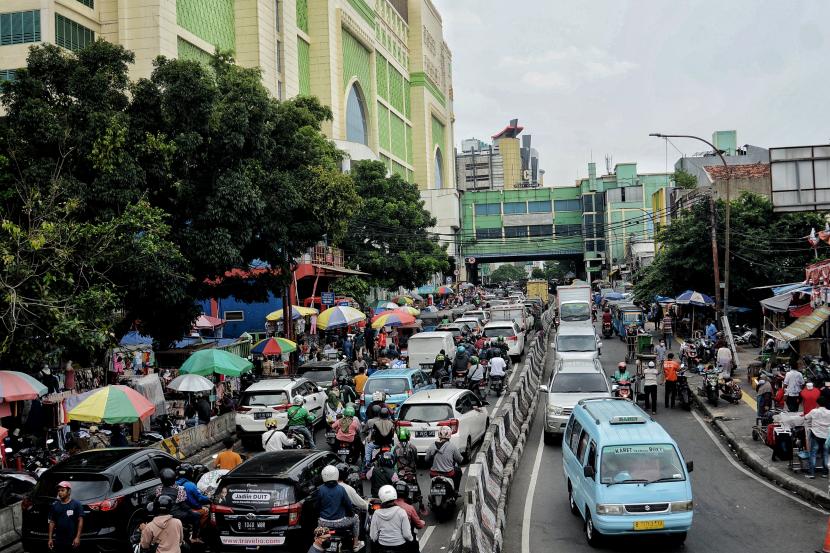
670, 368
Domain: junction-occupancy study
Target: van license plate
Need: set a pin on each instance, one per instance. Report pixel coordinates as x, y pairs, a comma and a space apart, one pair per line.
250, 525
648, 525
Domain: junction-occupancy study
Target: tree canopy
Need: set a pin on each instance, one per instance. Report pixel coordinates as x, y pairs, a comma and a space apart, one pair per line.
389, 236
125, 203
507, 273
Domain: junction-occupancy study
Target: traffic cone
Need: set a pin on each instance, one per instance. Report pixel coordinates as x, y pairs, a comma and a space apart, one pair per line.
826, 547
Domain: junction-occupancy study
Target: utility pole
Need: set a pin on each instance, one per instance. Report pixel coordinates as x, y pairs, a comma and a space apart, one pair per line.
714, 231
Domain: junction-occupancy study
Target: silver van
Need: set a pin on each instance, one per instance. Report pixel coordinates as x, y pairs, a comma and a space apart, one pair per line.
576, 341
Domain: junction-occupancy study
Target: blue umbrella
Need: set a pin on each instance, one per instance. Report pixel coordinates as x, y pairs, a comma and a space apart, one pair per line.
135, 338
690, 297
612, 296
427, 289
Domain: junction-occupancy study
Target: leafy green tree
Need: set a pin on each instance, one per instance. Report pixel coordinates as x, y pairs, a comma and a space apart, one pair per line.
388, 236
684, 179
507, 273
353, 286
234, 178
538, 272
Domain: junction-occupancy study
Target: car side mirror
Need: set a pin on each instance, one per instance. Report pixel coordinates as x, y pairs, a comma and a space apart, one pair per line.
690, 466
588, 471
543, 388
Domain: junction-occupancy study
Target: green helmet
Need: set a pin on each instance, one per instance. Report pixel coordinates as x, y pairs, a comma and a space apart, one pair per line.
348, 411
500, 340
403, 434
474, 360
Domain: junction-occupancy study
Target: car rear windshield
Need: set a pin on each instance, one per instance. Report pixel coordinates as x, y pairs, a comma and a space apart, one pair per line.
495, 332
85, 487
425, 412
573, 383
576, 343
263, 399
388, 385
255, 494
629, 464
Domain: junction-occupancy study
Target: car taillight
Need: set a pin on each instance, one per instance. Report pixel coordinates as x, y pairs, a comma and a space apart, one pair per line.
283, 407
403, 423
242, 409
452, 423
512, 338
293, 511
214, 508
26, 504
109, 504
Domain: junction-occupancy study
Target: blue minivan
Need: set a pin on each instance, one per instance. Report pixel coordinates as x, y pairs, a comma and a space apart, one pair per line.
624, 473
397, 384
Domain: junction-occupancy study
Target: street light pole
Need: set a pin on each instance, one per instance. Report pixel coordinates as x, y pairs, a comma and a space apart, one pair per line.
712, 222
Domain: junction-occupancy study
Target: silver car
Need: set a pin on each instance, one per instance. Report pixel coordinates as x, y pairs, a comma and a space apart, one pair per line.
572, 381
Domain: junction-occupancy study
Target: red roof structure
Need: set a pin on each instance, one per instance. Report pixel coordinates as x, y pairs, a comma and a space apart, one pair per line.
510, 131
752, 171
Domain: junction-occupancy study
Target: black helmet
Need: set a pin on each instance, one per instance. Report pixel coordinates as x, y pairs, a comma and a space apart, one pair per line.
168, 477
343, 469
384, 412
164, 503
186, 471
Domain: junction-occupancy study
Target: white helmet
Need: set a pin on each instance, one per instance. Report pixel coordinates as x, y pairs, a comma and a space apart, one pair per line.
387, 493
377, 396
298, 400
331, 474
444, 433
651, 364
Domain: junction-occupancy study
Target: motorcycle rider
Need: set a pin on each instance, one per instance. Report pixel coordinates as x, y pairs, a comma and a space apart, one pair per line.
378, 402
621, 373
334, 505
333, 406
348, 430
382, 472
406, 456
440, 367
390, 529
380, 432
461, 361
274, 439
164, 530
606, 316
476, 374
348, 394
498, 367
299, 419
196, 500
445, 457
178, 496
357, 502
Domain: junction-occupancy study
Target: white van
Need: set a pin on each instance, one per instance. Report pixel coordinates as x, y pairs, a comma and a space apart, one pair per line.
424, 346
515, 313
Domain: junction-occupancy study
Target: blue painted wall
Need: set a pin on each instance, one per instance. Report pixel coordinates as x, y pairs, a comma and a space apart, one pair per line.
254, 314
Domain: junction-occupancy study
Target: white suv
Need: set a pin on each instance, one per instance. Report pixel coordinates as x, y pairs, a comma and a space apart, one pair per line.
513, 337
271, 399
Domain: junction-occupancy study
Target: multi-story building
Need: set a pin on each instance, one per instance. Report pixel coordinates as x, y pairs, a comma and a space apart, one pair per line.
727, 143
381, 65
591, 222
506, 164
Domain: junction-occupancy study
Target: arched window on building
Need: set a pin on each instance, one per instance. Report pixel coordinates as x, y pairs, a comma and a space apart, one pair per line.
356, 126
439, 169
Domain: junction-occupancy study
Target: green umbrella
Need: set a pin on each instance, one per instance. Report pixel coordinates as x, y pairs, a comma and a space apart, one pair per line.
208, 361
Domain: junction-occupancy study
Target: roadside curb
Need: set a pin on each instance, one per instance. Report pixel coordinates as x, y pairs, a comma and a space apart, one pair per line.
758, 465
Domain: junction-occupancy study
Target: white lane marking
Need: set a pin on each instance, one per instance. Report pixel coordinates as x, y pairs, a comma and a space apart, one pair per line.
748, 472
528, 509
425, 537
506, 391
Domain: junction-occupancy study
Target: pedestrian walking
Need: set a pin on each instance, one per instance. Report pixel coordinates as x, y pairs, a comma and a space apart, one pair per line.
668, 330
670, 368
66, 521
793, 383
650, 375
660, 354
818, 423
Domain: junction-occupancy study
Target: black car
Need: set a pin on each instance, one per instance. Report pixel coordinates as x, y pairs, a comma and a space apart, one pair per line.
114, 485
323, 373
267, 502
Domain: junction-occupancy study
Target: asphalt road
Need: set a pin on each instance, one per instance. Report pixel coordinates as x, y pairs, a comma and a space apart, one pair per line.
734, 509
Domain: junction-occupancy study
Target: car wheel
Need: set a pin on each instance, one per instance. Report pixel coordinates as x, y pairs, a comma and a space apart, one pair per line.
571, 502
592, 535
677, 540
468, 451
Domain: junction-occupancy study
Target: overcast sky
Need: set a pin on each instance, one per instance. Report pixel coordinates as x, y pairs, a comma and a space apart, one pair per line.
598, 76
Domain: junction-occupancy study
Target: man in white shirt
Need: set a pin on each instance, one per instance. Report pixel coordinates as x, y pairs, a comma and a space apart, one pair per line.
273, 439
818, 422
497, 367
724, 358
793, 382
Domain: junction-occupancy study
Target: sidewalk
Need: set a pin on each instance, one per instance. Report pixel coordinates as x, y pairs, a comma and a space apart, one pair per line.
734, 422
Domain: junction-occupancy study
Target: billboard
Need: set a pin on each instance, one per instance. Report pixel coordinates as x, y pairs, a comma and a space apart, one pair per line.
800, 178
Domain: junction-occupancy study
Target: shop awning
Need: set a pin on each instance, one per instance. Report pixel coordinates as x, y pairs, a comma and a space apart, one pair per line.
778, 304
804, 327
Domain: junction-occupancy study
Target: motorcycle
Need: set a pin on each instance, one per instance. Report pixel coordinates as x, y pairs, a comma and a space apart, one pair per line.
709, 386
331, 438
459, 379
730, 390
607, 330
684, 393
341, 540
623, 389
344, 450
688, 353
496, 384
442, 496
407, 487
743, 335
300, 441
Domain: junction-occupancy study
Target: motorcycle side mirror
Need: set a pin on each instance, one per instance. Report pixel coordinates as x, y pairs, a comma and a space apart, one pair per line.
690, 466
9, 450
543, 388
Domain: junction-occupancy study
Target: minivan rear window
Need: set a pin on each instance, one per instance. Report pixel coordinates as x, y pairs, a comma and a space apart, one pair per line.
388, 385
624, 464
425, 412
85, 487
263, 399
503, 331
574, 383
255, 494
576, 343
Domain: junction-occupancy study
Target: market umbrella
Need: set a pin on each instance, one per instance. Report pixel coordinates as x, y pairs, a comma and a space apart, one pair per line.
465, 285
16, 386
445, 290
274, 346
426, 289
690, 297
112, 404
340, 316
409, 310
212, 360
297, 312
416, 296
403, 300
391, 318
190, 383
383, 305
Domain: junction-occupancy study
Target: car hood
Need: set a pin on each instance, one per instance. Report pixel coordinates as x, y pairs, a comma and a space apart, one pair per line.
569, 400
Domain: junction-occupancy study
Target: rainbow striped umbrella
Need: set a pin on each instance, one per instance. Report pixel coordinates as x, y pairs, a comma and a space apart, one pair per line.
211, 360
445, 291
391, 318
112, 404
17, 386
274, 346
339, 316
409, 310
297, 312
